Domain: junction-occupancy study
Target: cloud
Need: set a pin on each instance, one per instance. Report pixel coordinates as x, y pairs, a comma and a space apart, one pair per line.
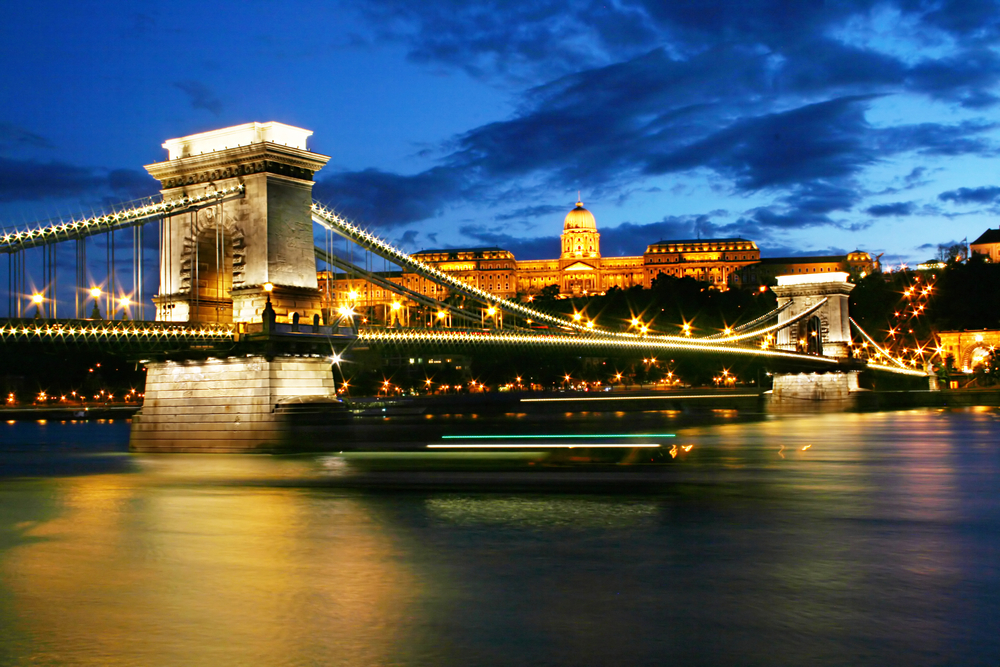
386, 200
895, 209
200, 96
984, 195
31, 180
542, 210
772, 98
632, 239
14, 138
539, 247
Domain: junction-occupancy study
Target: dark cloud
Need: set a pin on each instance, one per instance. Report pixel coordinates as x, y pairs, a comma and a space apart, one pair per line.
14, 138
30, 180
385, 200
895, 209
632, 239
531, 212
984, 195
133, 183
200, 96
540, 247
769, 95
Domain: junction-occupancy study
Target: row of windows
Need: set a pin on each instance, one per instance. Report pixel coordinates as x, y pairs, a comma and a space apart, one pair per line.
698, 248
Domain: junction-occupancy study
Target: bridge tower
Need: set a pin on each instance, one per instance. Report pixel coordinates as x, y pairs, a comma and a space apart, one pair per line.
826, 332
214, 265
215, 261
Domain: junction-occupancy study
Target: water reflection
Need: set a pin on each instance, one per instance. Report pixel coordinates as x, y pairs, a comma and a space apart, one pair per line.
830, 539
152, 574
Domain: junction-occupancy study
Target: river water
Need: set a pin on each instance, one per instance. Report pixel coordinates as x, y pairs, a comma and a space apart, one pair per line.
838, 539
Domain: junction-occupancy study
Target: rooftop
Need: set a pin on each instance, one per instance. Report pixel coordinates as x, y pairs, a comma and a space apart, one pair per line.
238, 135
989, 236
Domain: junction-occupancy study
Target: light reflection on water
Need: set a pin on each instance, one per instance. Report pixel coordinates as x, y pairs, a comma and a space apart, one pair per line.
830, 539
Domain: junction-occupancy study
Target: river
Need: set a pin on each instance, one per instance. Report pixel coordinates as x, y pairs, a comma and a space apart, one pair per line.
834, 539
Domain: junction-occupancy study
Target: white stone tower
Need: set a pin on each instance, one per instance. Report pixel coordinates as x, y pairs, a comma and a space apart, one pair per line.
215, 261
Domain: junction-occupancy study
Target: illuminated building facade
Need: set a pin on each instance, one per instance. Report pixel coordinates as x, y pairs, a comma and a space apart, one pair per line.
580, 270
969, 349
987, 245
857, 264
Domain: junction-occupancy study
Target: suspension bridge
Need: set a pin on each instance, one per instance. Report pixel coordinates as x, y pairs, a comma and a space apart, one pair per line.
242, 329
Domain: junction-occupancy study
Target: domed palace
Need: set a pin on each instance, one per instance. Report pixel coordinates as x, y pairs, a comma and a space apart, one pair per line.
580, 269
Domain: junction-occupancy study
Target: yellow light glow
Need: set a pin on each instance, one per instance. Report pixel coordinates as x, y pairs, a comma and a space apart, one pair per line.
37, 298
268, 287
577, 317
396, 305
441, 314
352, 295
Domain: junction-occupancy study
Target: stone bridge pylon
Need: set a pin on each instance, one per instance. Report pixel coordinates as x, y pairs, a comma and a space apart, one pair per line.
214, 262
827, 331
214, 265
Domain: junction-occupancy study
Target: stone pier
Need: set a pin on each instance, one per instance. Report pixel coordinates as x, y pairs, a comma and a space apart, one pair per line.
241, 404
248, 260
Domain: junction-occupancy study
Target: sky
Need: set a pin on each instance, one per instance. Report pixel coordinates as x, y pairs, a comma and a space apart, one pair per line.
807, 127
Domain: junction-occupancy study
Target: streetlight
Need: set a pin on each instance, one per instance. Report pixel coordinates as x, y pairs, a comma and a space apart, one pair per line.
95, 294
124, 302
37, 299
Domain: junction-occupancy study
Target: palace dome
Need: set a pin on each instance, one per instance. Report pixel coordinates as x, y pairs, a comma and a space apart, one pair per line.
579, 218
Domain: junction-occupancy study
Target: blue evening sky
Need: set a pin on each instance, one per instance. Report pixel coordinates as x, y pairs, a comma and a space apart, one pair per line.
808, 127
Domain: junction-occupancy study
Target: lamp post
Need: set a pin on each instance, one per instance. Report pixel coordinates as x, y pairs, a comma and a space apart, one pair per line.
95, 294
37, 299
268, 316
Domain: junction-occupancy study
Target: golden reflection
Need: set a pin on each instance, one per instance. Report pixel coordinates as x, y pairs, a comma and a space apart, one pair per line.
159, 568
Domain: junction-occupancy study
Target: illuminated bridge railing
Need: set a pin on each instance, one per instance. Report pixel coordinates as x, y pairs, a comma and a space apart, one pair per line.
111, 334
15, 241
458, 338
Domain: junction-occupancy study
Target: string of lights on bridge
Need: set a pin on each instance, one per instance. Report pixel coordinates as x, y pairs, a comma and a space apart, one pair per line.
585, 332
101, 224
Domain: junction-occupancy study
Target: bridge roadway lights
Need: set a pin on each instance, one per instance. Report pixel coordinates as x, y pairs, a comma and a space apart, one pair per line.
252, 403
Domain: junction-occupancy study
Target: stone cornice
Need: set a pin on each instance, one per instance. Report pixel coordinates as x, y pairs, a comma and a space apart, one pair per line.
812, 289
255, 158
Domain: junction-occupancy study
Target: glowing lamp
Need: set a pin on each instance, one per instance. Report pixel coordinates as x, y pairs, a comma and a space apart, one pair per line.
268, 287
37, 298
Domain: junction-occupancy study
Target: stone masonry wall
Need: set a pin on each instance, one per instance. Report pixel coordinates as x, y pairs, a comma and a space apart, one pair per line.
223, 405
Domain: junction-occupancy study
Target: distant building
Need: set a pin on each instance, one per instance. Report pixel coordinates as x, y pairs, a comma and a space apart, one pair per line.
858, 264
580, 269
969, 348
987, 245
